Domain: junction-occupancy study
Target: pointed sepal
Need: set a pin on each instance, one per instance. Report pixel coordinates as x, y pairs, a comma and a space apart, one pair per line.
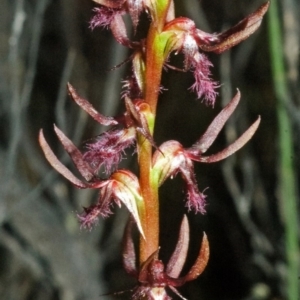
234, 147
88, 107
82, 166
215, 127
57, 165
237, 33
201, 261
177, 260
128, 251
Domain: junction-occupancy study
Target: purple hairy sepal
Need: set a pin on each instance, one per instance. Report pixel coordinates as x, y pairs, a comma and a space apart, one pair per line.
107, 149
104, 16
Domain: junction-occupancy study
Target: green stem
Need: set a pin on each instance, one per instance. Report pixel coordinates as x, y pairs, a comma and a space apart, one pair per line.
287, 179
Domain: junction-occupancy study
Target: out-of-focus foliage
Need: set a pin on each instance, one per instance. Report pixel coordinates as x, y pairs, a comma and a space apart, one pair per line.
43, 253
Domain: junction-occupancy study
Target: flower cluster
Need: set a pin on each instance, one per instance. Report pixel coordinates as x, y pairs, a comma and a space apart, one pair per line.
169, 159
134, 129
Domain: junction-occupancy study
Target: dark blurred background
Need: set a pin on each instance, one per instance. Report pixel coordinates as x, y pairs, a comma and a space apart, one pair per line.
43, 253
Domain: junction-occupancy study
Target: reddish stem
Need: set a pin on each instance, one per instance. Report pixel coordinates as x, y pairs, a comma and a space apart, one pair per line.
150, 219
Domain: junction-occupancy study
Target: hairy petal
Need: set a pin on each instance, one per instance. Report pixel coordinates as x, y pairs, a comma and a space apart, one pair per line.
108, 148
195, 199
204, 86
104, 16
91, 214
89, 218
131, 87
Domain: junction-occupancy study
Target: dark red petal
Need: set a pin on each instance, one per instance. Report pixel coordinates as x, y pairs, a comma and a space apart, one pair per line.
239, 32
128, 253
238, 144
178, 257
214, 128
200, 262
87, 106
76, 156
57, 165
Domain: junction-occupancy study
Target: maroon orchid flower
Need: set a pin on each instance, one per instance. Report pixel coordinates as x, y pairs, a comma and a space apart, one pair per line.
121, 187
107, 150
187, 39
153, 278
173, 158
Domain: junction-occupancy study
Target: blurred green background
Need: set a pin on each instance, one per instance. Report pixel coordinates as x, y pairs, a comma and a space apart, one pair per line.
252, 218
